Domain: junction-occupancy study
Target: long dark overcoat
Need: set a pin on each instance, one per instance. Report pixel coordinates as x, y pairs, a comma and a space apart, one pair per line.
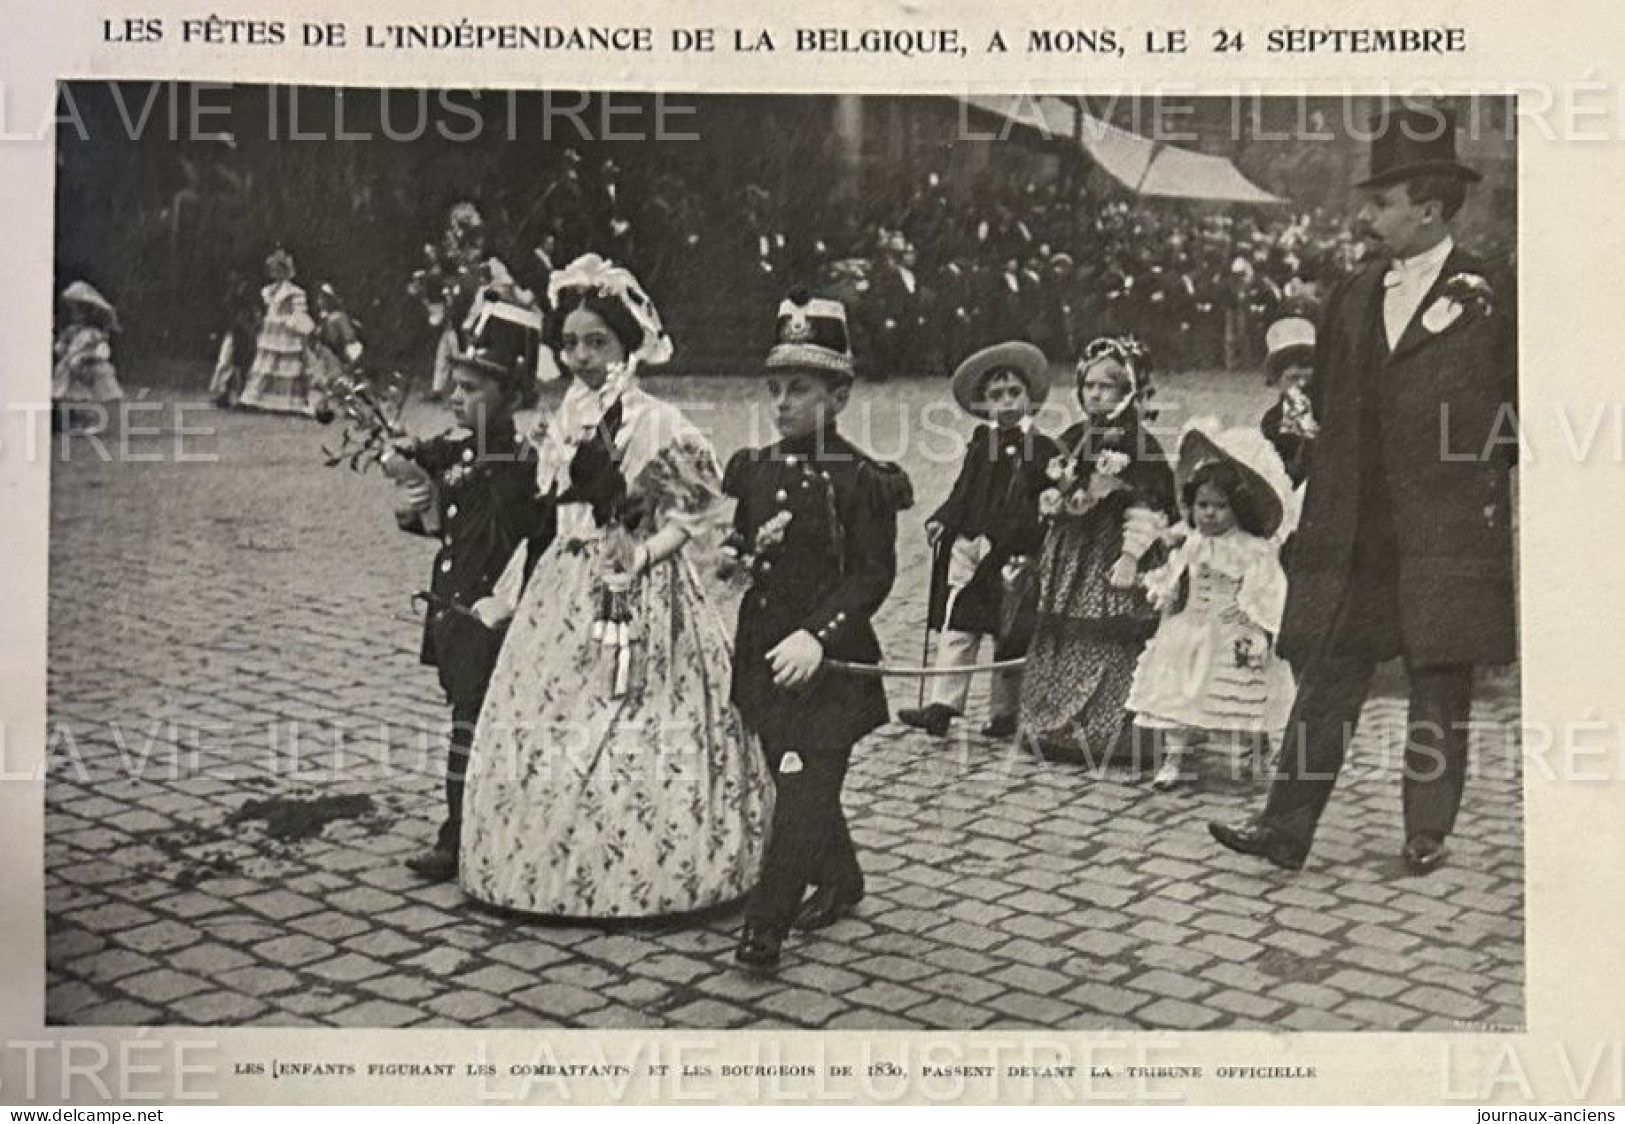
1405, 544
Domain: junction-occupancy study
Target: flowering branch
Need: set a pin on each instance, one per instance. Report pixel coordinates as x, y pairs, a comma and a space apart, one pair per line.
371, 418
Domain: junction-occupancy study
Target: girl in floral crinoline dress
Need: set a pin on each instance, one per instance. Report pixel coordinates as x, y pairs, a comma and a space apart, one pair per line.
611, 776
1210, 673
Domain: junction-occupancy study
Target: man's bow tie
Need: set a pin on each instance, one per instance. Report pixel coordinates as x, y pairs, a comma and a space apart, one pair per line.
1401, 271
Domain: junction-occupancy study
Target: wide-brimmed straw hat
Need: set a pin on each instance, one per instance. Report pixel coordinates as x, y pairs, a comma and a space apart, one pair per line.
1022, 359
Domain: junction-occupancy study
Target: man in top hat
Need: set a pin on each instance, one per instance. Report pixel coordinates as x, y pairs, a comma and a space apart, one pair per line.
989, 523
1405, 544
816, 525
474, 489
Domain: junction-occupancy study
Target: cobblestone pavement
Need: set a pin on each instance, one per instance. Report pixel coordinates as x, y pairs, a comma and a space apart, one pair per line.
232, 667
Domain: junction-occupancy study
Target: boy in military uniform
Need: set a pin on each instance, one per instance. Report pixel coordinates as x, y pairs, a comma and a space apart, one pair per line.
473, 488
816, 522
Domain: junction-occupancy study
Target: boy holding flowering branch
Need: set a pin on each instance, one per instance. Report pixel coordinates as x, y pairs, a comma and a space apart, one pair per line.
474, 488
984, 534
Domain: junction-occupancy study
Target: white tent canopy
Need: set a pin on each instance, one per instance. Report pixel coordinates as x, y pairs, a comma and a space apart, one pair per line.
1144, 166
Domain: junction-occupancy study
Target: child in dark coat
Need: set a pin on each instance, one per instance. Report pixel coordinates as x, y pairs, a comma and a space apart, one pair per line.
816, 524
474, 488
1289, 363
986, 532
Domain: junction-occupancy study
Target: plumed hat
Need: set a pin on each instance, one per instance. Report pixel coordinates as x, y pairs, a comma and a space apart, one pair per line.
810, 335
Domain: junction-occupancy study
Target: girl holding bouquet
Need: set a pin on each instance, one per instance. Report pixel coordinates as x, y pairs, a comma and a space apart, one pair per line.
1110, 495
610, 775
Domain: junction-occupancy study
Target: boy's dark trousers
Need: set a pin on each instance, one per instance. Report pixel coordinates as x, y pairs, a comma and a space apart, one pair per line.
467, 652
464, 717
809, 842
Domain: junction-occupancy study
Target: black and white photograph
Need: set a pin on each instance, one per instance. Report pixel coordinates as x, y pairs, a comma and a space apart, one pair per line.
725, 561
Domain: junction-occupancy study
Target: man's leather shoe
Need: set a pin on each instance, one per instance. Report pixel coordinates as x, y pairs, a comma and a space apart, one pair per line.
1425, 853
759, 947
1260, 840
435, 864
827, 905
934, 719
1000, 726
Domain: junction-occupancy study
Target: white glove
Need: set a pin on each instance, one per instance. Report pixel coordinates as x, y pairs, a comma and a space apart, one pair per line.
493, 612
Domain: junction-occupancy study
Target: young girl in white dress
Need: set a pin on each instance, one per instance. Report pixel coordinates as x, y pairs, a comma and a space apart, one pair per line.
1210, 674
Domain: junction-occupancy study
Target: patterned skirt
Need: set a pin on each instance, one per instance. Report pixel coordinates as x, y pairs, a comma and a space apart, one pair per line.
1086, 641
585, 802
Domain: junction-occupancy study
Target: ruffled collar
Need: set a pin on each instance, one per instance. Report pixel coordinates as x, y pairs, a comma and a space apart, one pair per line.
584, 407
1231, 553
575, 421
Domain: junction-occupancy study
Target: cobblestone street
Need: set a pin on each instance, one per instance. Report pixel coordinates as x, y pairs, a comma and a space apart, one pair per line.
244, 748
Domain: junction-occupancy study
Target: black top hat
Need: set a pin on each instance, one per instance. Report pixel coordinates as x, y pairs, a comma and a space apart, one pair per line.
1407, 142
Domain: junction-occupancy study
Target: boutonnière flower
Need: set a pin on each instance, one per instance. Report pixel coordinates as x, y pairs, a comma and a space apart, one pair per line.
1460, 294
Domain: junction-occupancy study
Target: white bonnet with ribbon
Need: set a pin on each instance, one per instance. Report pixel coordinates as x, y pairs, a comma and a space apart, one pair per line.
592, 273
